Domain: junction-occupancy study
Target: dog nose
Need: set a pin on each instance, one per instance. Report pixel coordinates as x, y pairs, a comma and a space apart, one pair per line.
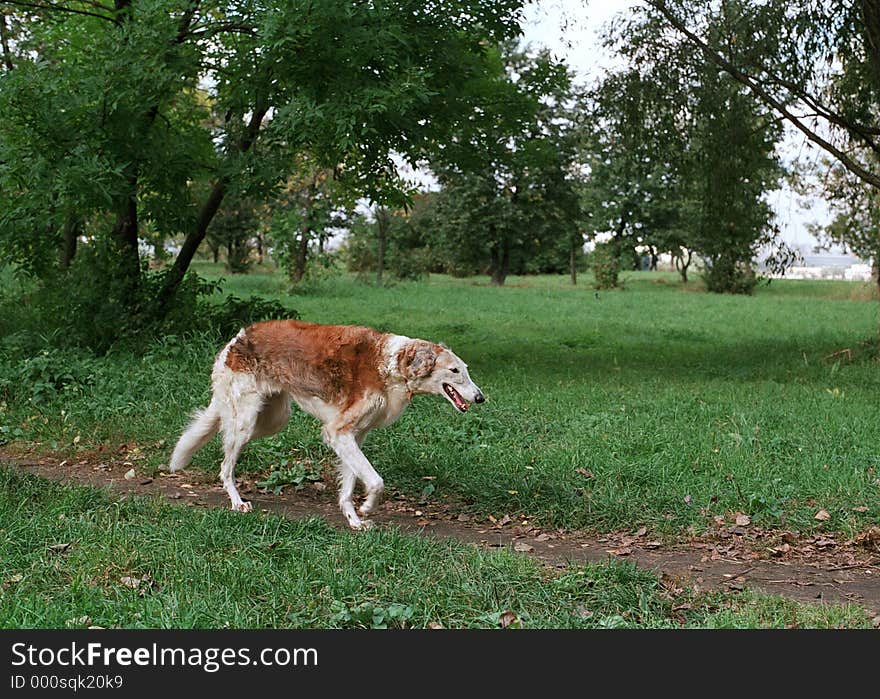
479, 398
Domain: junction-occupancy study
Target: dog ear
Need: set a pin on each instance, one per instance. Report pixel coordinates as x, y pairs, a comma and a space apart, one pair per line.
417, 359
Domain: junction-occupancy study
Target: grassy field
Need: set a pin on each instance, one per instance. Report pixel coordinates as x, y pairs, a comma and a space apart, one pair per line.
652, 406
72, 557
657, 406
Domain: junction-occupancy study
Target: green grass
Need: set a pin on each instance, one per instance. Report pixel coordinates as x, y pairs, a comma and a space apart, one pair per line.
72, 556
682, 405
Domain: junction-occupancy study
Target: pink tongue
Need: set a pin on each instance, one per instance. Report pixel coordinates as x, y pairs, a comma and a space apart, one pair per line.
459, 401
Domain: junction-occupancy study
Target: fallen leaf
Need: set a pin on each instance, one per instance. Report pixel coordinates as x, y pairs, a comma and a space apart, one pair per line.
76, 439
523, 547
651, 545
59, 548
436, 625
822, 515
718, 519
128, 581
622, 551
464, 518
743, 520
129, 474
860, 508
688, 499
423, 522
584, 472
781, 550
508, 618
641, 532
146, 481
876, 622
542, 537
78, 621
505, 520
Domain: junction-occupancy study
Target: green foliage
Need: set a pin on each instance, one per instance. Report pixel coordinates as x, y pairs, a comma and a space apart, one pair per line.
296, 474
604, 262
685, 155
82, 308
509, 195
143, 120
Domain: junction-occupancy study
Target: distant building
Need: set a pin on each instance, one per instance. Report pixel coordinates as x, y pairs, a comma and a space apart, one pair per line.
829, 266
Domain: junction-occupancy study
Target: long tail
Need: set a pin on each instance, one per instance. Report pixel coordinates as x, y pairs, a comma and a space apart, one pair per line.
205, 424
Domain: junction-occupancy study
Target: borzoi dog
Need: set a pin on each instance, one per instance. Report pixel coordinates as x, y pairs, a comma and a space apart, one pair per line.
350, 378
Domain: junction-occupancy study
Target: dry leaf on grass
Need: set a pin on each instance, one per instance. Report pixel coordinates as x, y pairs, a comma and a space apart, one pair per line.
743, 520
508, 618
523, 547
129, 474
822, 515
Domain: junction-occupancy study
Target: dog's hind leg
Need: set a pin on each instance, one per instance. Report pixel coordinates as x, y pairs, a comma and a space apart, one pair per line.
238, 426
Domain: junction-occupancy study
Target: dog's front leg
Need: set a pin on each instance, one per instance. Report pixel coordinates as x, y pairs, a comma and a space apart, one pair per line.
353, 466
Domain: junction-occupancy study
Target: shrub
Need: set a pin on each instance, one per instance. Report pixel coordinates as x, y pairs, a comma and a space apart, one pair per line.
605, 263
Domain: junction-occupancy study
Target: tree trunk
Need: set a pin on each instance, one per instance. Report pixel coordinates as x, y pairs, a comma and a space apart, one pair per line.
500, 263
195, 237
215, 251
124, 237
68, 245
654, 258
572, 266
683, 265
302, 251
4, 42
382, 233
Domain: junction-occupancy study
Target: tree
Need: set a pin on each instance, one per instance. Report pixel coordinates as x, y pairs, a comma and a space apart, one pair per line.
816, 65
509, 185
127, 108
235, 227
683, 157
309, 206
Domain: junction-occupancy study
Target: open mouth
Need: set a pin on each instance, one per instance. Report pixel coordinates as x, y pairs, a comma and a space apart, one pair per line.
460, 403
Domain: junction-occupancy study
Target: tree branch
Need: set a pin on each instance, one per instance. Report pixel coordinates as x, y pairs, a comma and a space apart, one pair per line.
762, 93
51, 7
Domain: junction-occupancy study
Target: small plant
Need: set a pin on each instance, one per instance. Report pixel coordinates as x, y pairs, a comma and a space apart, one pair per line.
370, 616
296, 474
605, 264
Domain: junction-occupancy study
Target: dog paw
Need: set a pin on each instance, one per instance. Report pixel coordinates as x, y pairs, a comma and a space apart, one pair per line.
243, 507
363, 525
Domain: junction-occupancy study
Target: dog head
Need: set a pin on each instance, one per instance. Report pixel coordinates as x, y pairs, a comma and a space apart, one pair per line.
435, 369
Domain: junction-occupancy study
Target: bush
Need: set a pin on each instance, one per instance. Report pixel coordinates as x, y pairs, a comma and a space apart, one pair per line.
727, 276
605, 263
83, 307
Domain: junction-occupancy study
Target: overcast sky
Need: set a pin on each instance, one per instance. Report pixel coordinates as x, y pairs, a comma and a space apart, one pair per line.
569, 28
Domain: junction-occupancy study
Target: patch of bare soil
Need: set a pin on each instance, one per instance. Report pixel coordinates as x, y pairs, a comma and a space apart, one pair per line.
733, 556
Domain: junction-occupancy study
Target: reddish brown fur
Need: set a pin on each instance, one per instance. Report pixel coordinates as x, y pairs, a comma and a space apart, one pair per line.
336, 363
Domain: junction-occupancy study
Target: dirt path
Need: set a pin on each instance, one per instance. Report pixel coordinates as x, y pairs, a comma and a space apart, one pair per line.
733, 557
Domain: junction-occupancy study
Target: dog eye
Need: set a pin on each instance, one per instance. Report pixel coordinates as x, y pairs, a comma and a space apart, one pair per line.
454, 371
